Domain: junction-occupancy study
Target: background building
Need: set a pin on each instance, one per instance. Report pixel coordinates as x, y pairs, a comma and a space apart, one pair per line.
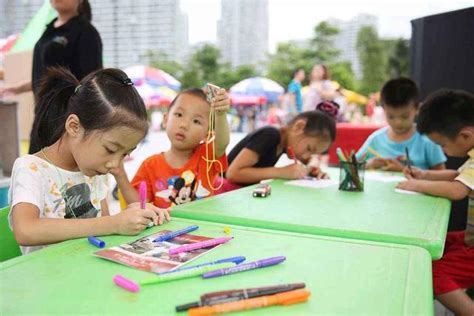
129, 29
242, 31
346, 40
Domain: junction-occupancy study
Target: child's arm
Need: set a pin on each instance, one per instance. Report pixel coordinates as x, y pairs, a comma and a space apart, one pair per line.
31, 230
241, 169
128, 192
440, 166
433, 175
221, 105
104, 208
452, 190
375, 163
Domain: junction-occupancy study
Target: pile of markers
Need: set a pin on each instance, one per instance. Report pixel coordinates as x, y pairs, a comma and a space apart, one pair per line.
207, 270
350, 169
243, 299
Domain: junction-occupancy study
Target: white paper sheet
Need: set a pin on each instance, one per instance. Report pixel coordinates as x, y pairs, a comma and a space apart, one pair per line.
315, 184
383, 177
407, 192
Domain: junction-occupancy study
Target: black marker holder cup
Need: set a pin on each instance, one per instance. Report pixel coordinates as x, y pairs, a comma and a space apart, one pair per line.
351, 176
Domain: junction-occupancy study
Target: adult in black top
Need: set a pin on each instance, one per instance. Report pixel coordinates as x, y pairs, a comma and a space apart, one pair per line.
75, 45
264, 142
71, 41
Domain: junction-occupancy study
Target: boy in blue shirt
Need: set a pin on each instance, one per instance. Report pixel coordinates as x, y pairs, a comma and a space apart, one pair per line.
385, 148
447, 118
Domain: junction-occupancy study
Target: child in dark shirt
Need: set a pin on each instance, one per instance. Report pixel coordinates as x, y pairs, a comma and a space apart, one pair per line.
253, 159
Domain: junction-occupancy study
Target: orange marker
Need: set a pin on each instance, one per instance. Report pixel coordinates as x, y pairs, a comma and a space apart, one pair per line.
286, 298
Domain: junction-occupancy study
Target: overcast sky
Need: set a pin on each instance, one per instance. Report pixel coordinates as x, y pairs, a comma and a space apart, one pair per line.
295, 19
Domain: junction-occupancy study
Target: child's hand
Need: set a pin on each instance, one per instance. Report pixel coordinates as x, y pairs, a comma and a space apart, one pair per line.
118, 172
294, 171
221, 102
416, 173
410, 185
318, 174
133, 220
162, 213
392, 165
376, 163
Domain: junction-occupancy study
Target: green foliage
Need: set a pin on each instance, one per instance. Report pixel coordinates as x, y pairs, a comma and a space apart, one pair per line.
380, 60
161, 61
287, 59
322, 47
398, 54
203, 67
372, 60
342, 73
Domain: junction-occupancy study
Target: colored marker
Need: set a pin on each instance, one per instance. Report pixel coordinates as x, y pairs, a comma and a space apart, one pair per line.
340, 154
252, 291
237, 295
96, 242
126, 284
142, 194
374, 152
291, 153
199, 245
236, 260
172, 276
408, 161
244, 267
286, 298
169, 236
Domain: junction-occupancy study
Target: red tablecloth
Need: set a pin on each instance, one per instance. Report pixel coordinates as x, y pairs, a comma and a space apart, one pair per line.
350, 136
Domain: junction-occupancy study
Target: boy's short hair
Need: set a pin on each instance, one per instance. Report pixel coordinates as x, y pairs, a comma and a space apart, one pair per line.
446, 112
192, 91
399, 92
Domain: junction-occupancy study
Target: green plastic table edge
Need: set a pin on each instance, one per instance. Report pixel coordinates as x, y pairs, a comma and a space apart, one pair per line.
427, 244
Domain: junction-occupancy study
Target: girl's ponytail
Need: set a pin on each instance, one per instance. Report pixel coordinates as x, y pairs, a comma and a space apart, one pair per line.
52, 100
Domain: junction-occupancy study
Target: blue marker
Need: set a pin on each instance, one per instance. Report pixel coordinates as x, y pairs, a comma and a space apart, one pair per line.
236, 260
174, 234
96, 242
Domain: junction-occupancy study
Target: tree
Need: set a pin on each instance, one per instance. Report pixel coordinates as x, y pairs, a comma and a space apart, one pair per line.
228, 77
398, 63
372, 60
322, 44
287, 58
161, 61
343, 74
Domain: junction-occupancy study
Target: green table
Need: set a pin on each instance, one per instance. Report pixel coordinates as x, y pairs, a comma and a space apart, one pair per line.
377, 214
346, 277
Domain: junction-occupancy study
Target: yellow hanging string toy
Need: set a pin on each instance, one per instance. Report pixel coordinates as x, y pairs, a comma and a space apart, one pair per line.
211, 135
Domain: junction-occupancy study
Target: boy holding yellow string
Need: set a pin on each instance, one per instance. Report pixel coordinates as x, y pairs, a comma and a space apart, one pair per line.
199, 134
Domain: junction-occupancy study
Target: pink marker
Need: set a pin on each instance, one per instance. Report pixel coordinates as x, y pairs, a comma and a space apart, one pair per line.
142, 193
199, 245
126, 284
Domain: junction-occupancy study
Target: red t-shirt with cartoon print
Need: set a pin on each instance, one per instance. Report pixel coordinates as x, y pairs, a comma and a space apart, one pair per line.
167, 186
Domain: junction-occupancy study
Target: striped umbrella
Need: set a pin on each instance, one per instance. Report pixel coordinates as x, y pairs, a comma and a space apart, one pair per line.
258, 86
144, 75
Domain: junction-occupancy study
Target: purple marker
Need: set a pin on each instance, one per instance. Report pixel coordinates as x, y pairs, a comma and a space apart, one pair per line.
244, 267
